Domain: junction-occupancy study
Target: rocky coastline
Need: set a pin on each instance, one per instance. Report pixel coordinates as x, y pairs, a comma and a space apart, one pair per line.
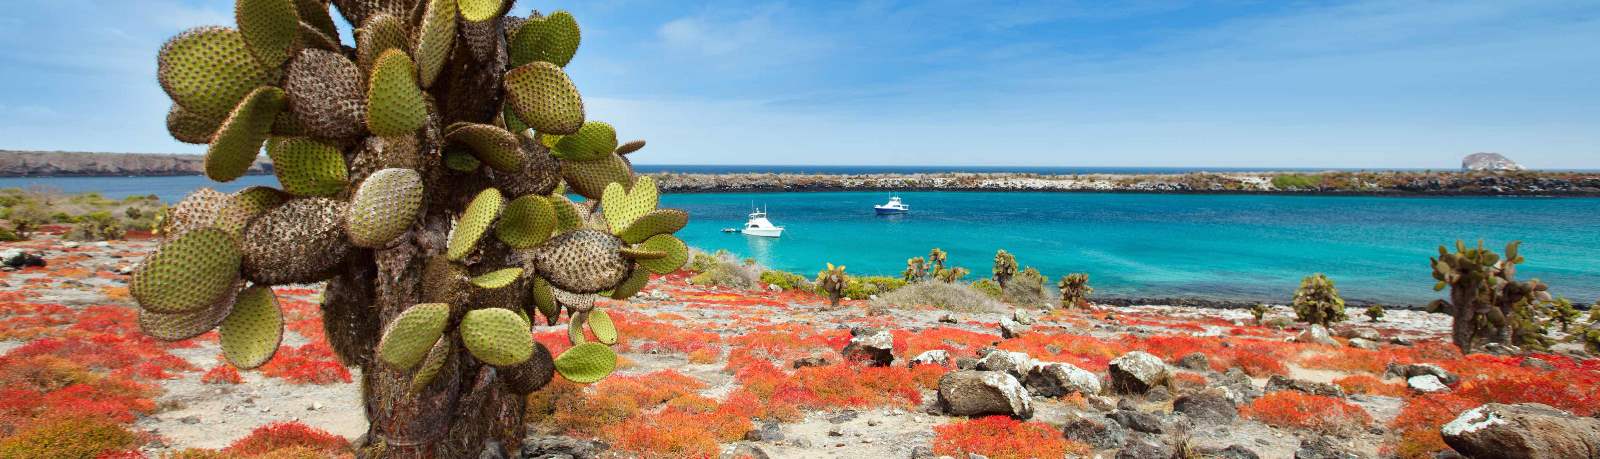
82, 164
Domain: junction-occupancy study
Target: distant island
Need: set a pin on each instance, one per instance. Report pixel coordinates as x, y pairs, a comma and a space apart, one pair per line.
83, 164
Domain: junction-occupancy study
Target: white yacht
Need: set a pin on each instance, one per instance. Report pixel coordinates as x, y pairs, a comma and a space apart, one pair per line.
893, 207
758, 225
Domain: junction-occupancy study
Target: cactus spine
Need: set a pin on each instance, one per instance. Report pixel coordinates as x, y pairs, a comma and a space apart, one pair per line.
1005, 266
1317, 301
832, 281
1484, 294
398, 158
1075, 290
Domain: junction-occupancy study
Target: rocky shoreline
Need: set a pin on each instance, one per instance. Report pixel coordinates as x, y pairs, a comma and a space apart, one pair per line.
78, 164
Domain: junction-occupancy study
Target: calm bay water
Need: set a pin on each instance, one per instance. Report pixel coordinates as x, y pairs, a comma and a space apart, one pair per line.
1233, 247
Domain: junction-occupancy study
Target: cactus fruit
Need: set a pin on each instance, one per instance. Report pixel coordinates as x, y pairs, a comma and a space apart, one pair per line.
1374, 313
544, 98
301, 241
1005, 266
586, 363
383, 207
832, 281
1075, 290
394, 102
1317, 301
583, 261
1485, 297
253, 330
411, 335
188, 273
496, 336
480, 214
237, 143
307, 167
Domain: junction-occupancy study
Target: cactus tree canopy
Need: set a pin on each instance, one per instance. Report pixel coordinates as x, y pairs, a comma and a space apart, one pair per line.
424, 176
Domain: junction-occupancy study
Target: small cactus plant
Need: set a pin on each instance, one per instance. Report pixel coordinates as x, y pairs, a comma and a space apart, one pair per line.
1562, 313
1005, 266
1317, 301
1075, 290
1374, 313
832, 281
951, 275
1259, 312
937, 257
1484, 294
916, 270
423, 176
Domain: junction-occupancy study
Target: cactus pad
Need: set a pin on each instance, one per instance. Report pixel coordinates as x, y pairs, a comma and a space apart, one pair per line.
384, 207
593, 141
185, 325
496, 147
437, 35
410, 336
590, 178
394, 102
586, 363
574, 302
481, 213
498, 278
583, 261
188, 127
380, 33
604, 330
496, 336
575, 333
632, 285
630, 147
432, 364
530, 375
480, 10
196, 211
252, 332
544, 298
527, 221
269, 28
326, 95
208, 70
677, 254
307, 167
314, 13
661, 221
567, 217
552, 39
188, 273
623, 206
460, 161
544, 98
301, 241
239, 140
443, 281
245, 205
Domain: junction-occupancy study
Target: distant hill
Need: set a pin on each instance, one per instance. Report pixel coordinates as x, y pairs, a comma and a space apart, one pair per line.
77, 164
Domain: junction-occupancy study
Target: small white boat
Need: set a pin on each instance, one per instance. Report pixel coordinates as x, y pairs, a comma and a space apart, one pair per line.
758, 225
893, 207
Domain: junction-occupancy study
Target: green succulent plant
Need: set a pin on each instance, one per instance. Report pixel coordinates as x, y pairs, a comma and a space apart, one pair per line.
937, 256
1075, 290
951, 275
832, 281
423, 174
1562, 313
916, 270
1317, 301
1374, 313
1259, 312
1486, 302
1005, 266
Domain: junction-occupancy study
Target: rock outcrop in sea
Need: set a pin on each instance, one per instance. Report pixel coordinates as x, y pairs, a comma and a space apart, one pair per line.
1488, 162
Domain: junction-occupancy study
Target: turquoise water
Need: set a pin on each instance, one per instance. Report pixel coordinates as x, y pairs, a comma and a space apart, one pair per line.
1230, 247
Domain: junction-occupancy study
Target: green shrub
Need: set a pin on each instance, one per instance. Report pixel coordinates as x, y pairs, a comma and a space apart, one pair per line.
989, 287
863, 287
68, 438
1026, 289
1295, 181
947, 296
783, 279
1317, 301
96, 226
723, 270
7, 235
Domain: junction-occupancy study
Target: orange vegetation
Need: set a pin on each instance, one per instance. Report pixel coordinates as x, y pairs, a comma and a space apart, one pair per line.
1001, 437
1304, 411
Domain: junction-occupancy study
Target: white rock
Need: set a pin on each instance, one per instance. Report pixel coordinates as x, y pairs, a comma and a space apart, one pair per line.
1426, 384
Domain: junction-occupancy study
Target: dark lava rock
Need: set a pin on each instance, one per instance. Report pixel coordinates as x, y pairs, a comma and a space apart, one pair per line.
1527, 430
1138, 421
1196, 362
1277, 383
1098, 433
1209, 406
1323, 447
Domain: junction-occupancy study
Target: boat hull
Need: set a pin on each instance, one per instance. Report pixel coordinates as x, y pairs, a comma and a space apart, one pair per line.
883, 211
763, 232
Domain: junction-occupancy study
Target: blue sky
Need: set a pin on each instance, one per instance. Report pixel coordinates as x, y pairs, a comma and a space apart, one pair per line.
943, 82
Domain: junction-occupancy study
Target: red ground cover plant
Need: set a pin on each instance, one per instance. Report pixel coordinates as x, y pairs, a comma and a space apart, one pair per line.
312, 363
1417, 427
1001, 437
1254, 357
956, 341
1304, 411
283, 435
221, 374
1084, 351
1370, 385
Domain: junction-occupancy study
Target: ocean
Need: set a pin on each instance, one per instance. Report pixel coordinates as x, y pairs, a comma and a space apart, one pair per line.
1219, 247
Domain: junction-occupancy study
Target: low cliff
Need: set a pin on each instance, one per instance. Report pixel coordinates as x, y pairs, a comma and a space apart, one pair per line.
72, 164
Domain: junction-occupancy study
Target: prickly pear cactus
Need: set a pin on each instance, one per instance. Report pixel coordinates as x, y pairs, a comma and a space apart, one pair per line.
1487, 303
1259, 312
423, 174
1005, 266
916, 270
1317, 301
937, 256
1075, 290
1374, 313
832, 281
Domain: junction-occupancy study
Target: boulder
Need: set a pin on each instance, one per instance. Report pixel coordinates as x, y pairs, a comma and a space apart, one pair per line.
1213, 406
1360, 332
1137, 420
1136, 372
1426, 384
1022, 317
1488, 162
1536, 363
1528, 430
1097, 433
875, 347
808, 362
1055, 379
554, 446
747, 451
937, 357
1316, 334
1195, 362
982, 393
1363, 343
1145, 447
966, 363
1014, 363
1323, 447
1276, 383
1011, 329
947, 319
1231, 452
1419, 369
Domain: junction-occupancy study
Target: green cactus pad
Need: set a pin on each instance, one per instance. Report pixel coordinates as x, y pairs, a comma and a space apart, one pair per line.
590, 178
567, 217
190, 128
552, 39
315, 14
252, 332
458, 159
311, 38
540, 172
543, 97
604, 330
632, 285
438, 33
498, 278
239, 140
409, 337
586, 363
677, 254
325, 94
306, 167
269, 28
496, 336
630, 147
185, 325
575, 333
574, 302
508, 118
188, 273
531, 375
301, 241
384, 207
208, 70
394, 102
496, 147
481, 213
382, 32
480, 10
642, 254
544, 298
660, 221
196, 211
623, 206
245, 205
593, 141
527, 221
582, 261
437, 357
443, 281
